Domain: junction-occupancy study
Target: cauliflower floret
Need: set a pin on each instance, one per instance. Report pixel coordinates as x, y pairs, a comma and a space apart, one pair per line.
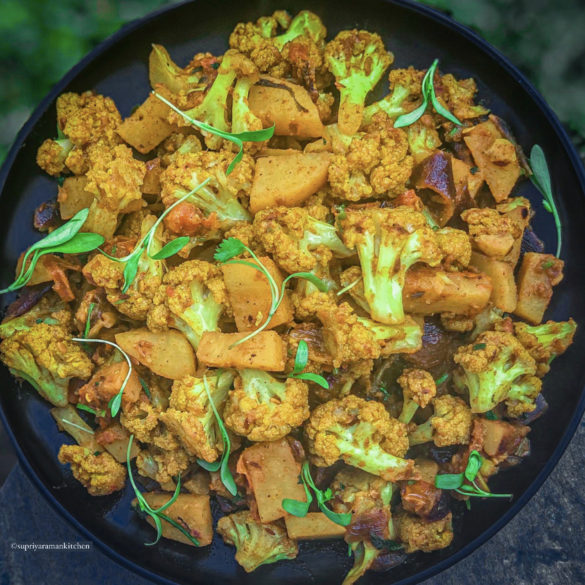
359, 492
418, 389
98, 472
191, 299
459, 97
418, 534
375, 164
492, 233
162, 464
295, 239
263, 409
141, 419
256, 544
455, 246
362, 434
88, 118
451, 423
190, 415
52, 155
45, 356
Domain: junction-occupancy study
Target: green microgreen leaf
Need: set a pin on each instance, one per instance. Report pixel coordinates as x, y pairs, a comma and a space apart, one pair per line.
228, 249
88, 320
222, 465
442, 379
90, 410
449, 481
428, 94
316, 378
171, 248
541, 179
116, 401
156, 513
145, 388
474, 463
479, 346
298, 508
65, 240
384, 544
301, 357
348, 287
237, 138
490, 415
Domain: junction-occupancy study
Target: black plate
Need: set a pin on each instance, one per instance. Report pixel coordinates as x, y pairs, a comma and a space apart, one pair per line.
118, 68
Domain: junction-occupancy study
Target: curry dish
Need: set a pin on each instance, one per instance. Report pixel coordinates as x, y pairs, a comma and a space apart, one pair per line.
268, 287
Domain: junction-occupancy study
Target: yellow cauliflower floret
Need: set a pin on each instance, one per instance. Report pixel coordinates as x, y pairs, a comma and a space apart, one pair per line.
451, 422
418, 385
99, 473
191, 299
141, 419
418, 534
459, 96
362, 434
492, 233
45, 356
88, 117
190, 416
376, 163
162, 464
52, 155
455, 246
262, 408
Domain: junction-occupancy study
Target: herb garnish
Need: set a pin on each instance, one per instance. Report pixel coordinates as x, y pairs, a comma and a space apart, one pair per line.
132, 260
442, 379
237, 138
88, 319
222, 465
300, 509
301, 359
90, 410
115, 401
541, 180
231, 247
156, 514
66, 239
428, 94
456, 481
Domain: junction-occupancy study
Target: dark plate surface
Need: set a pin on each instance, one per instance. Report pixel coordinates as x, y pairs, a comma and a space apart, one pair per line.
118, 68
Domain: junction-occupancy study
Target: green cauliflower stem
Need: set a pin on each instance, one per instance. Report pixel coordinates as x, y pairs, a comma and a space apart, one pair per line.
490, 366
365, 554
305, 23
358, 60
45, 356
389, 241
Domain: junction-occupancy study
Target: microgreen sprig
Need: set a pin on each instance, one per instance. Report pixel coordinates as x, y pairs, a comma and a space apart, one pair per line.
301, 360
428, 95
132, 260
232, 247
115, 401
237, 138
541, 179
66, 239
156, 514
456, 481
301, 509
222, 465
90, 410
88, 319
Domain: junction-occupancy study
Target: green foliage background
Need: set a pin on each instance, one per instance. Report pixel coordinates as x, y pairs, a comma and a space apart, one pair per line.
40, 41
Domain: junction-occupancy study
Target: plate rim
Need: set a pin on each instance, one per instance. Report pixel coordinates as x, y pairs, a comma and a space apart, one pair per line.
495, 55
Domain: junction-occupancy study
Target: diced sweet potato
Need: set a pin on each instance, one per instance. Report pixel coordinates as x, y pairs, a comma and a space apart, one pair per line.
504, 293
250, 295
147, 127
313, 526
73, 197
151, 183
286, 105
166, 353
265, 351
192, 512
430, 290
288, 179
495, 156
538, 274
273, 474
